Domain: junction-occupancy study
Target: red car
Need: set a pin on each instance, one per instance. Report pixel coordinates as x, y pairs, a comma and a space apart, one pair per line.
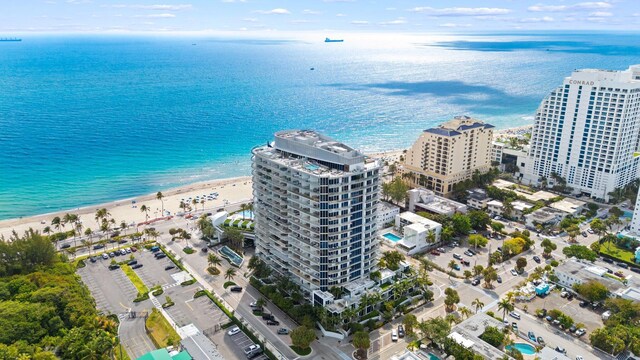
435, 252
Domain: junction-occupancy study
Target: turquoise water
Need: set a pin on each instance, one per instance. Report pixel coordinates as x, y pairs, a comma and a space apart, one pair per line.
523, 348
392, 237
628, 214
433, 357
247, 214
85, 120
231, 255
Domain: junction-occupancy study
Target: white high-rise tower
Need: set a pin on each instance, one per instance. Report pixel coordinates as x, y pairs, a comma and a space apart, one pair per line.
316, 206
587, 130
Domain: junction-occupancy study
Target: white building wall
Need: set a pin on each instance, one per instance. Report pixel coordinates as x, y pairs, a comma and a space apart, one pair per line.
587, 130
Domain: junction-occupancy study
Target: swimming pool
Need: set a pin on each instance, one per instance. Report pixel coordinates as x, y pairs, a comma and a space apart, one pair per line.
433, 357
231, 255
246, 214
392, 237
524, 349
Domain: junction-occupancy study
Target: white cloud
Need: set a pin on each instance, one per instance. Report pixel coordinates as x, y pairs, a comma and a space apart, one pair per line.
340, 15
161, 7
398, 21
158, 16
601, 14
391, 9
461, 11
276, 11
452, 25
537, 20
250, 20
311, 12
301, 21
360, 22
578, 6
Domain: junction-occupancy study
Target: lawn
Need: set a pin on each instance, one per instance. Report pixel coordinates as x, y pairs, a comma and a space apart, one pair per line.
616, 252
299, 351
160, 331
137, 282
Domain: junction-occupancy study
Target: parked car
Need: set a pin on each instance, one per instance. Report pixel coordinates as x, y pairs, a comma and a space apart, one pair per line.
273, 322
435, 252
169, 267
394, 335
136, 266
266, 316
400, 331
105, 256
514, 315
132, 262
468, 253
160, 256
514, 272
514, 326
234, 330
536, 258
465, 262
541, 340
251, 349
580, 332
97, 247
475, 282
456, 267
122, 241
112, 254
133, 249
564, 294
607, 260
236, 289
561, 350
471, 252
127, 250
456, 256
623, 265
549, 318
584, 234
441, 249
555, 322
205, 249
155, 249
283, 331
531, 336
92, 259
583, 304
113, 266
499, 279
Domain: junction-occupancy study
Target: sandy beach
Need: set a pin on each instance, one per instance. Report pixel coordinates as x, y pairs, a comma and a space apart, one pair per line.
231, 190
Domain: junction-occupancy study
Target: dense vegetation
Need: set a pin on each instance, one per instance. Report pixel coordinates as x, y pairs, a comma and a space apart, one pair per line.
45, 310
621, 330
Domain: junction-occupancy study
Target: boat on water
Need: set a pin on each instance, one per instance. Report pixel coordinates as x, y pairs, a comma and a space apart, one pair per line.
10, 39
332, 40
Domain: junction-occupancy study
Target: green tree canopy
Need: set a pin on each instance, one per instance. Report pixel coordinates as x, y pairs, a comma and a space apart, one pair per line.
302, 337
592, 290
580, 252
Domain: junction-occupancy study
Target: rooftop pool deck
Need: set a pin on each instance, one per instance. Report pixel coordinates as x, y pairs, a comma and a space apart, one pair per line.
231, 256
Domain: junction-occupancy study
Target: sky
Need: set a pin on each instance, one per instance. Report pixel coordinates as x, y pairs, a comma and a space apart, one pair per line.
277, 16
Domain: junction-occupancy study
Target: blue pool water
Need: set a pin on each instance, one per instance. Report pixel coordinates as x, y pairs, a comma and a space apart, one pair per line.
433, 357
231, 255
524, 349
247, 214
628, 214
392, 237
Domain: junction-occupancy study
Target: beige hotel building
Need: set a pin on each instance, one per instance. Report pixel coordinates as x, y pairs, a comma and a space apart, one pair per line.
450, 153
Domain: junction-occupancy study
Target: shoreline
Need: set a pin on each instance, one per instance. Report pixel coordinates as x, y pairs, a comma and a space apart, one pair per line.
231, 190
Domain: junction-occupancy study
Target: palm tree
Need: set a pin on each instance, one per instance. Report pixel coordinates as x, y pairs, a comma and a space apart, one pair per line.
195, 203
243, 207
78, 231
478, 304
159, 196
230, 274
123, 226
46, 230
89, 234
214, 260
145, 209
431, 237
56, 222
506, 306
465, 312
507, 207
451, 266
202, 201
261, 302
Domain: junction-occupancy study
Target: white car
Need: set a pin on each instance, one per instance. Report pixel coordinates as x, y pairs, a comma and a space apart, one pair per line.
514, 315
513, 272
579, 357
394, 335
234, 330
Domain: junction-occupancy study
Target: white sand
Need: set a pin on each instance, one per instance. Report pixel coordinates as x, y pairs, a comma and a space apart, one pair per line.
233, 190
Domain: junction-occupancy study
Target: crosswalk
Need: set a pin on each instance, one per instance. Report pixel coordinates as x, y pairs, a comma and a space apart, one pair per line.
169, 286
155, 302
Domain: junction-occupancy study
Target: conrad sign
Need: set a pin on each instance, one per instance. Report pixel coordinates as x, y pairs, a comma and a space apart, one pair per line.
581, 82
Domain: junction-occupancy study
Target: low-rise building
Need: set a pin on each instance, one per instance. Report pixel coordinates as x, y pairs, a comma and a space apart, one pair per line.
427, 200
544, 216
575, 271
467, 334
386, 213
495, 207
523, 191
570, 206
478, 198
419, 233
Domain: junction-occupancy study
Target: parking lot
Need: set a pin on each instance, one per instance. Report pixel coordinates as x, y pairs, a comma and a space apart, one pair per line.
201, 312
233, 345
587, 316
153, 270
112, 290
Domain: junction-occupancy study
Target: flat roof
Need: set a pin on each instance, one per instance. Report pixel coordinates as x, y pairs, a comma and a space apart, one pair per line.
417, 219
455, 126
568, 205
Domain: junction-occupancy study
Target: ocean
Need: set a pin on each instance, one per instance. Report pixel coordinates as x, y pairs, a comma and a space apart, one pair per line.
91, 119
